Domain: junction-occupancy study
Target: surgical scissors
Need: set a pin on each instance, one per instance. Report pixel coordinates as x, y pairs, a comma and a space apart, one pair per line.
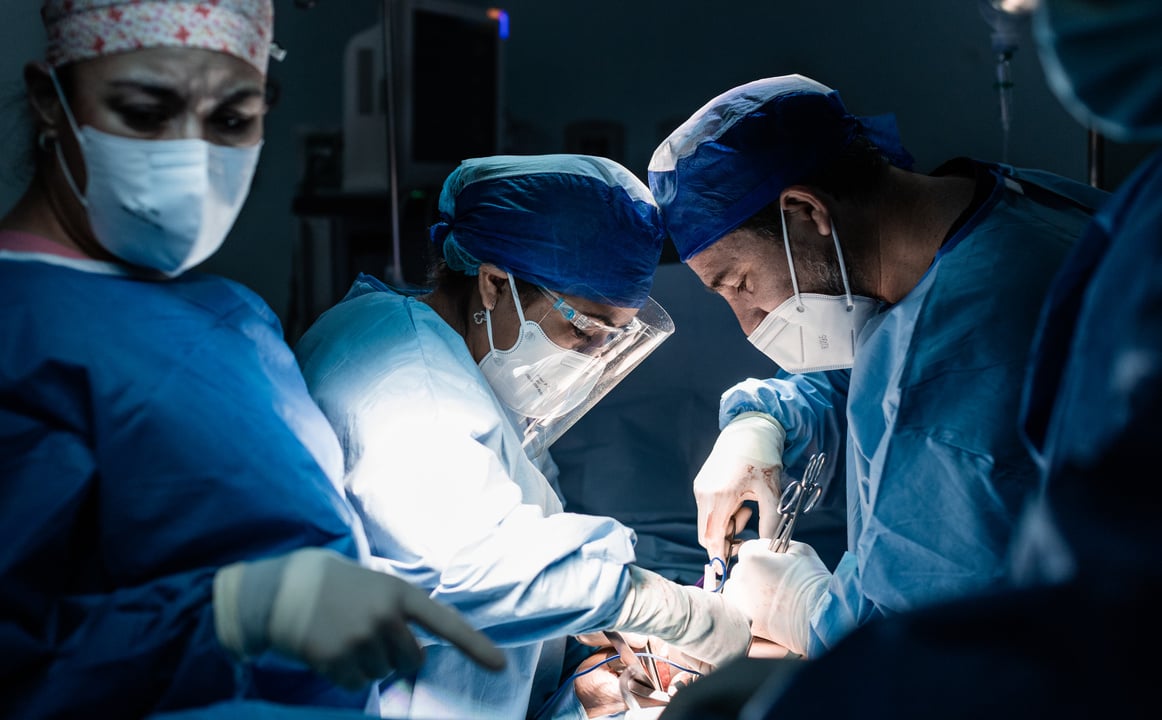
800, 497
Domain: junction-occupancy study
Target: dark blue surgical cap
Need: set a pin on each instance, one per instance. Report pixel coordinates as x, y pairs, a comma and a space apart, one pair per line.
740, 151
575, 224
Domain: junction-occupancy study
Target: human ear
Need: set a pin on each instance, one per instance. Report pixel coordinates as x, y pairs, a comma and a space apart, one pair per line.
802, 200
42, 98
491, 281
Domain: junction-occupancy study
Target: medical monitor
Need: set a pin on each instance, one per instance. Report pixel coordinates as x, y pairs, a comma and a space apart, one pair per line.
446, 63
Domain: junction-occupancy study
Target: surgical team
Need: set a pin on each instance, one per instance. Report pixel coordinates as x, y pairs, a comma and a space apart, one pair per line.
202, 521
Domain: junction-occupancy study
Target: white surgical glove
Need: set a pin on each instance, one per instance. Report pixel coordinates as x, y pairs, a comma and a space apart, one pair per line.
779, 592
346, 621
699, 623
746, 463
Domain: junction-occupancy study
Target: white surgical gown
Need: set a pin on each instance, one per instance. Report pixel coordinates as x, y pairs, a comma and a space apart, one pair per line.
936, 470
452, 503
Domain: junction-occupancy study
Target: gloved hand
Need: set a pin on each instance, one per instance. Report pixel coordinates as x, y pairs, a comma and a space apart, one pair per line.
746, 463
779, 592
346, 621
699, 623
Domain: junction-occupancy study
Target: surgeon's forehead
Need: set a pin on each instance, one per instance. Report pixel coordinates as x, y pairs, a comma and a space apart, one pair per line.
723, 262
189, 71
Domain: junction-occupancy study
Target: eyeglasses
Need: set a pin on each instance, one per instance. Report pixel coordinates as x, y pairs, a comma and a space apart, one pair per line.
580, 320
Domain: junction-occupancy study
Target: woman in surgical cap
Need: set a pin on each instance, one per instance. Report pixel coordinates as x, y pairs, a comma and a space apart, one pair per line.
447, 400
175, 534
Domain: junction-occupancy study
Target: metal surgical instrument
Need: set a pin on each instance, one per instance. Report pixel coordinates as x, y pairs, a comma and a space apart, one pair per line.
636, 679
799, 497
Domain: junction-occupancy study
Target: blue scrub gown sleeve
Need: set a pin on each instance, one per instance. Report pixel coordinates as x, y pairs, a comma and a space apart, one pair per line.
128, 477
811, 407
61, 653
125, 650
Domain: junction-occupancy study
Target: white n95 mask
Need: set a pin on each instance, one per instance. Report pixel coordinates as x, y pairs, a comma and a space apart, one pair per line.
811, 332
161, 204
536, 377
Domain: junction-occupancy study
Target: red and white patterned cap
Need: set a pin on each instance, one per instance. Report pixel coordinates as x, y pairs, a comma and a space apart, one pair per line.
85, 29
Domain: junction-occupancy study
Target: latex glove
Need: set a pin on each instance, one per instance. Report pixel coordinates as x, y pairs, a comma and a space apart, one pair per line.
746, 463
346, 621
596, 685
598, 639
779, 592
697, 622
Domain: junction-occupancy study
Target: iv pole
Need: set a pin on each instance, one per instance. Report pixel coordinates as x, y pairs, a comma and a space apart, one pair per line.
1005, 17
387, 15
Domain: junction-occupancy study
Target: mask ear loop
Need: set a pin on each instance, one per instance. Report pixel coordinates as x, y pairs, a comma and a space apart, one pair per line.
842, 268
790, 262
519, 313
76, 133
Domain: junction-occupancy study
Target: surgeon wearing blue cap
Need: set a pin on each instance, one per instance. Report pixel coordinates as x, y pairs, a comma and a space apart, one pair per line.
920, 292
447, 401
1086, 554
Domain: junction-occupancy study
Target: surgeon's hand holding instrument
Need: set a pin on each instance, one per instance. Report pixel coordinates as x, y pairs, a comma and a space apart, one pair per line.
701, 624
801, 496
639, 678
348, 622
778, 591
745, 464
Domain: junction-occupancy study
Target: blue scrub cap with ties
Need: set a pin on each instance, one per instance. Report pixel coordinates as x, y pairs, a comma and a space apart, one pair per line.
575, 224
743, 148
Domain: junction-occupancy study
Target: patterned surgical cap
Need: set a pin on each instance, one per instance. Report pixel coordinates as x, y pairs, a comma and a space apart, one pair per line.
85, 29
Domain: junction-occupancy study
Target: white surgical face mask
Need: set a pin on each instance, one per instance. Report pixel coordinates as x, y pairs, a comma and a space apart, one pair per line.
536, 377
1103, 61
811, 332
161, 204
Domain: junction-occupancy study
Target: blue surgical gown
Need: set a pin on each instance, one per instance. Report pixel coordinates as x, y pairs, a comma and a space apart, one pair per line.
936, 469
1093, 408
451, 502
150, 432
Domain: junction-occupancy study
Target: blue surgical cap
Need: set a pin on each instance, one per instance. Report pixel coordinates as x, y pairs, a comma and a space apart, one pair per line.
575, 224
740, 151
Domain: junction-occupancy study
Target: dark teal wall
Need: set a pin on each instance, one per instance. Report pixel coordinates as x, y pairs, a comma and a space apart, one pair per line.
646, 64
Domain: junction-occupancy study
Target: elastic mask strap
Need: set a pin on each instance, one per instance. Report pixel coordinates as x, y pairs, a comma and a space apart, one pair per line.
60, 93
790, 262
842, 268
519, 313
516, 299
488, 326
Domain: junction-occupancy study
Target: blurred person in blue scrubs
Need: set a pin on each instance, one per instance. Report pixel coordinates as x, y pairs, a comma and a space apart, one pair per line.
1074, 637
447, 400
175, 532
917, 293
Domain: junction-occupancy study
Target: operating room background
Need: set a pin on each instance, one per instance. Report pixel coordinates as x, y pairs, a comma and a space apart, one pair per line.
646, 65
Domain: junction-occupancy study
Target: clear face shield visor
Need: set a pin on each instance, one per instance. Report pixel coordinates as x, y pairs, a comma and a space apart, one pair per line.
583, 374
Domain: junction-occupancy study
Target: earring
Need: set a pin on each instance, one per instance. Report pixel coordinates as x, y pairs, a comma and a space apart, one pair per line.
478, 317
45, 141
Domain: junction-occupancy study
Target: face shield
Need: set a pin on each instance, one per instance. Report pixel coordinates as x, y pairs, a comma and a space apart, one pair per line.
547, 387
